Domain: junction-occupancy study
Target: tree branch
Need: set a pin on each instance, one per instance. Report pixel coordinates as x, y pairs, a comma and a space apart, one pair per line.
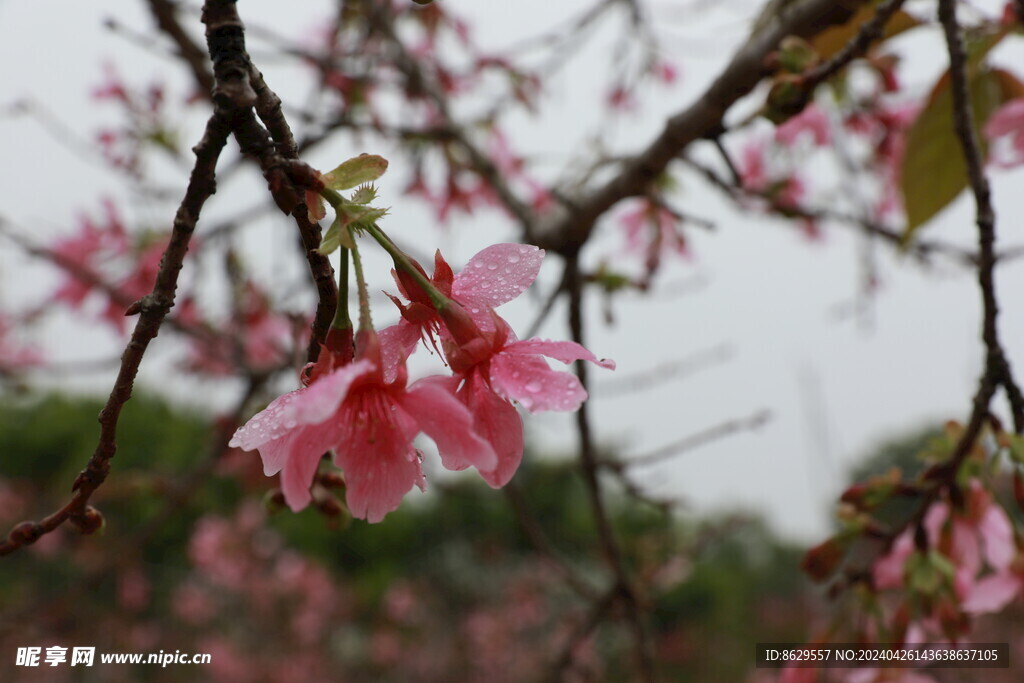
571, 227
153, 308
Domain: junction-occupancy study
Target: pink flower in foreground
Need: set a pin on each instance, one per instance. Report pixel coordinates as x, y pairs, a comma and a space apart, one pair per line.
369, 423
491, 367
1008, 121
492, 277
512, 370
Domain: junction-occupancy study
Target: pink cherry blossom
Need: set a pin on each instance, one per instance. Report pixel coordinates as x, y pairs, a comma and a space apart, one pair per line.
665, 71
492, 277
77, 254
976, 540
491, 367
514, 370
811, 120
1008, 122
652, 229
370, 424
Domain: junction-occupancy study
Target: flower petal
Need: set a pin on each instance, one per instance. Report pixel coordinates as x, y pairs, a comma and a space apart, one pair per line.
565, 351
306, 406
305, 446
376, 453
497, 421
996, 531
498, 274
432, 403
529, 380
992, 593
1007, 119
396, 345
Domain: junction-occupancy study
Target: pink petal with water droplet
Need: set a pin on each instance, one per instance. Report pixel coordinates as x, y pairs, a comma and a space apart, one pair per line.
432, 403
565, 351
496, 275
396, 345
310, 405
497, 421
529, 380
302, 448
375, 451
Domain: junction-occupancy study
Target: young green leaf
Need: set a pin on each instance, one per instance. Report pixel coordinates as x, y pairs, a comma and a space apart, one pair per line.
364, 168
332, 238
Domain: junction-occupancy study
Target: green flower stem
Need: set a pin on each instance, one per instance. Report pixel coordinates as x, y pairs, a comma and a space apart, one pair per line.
341, 319
402, 262
365, 324
333, 198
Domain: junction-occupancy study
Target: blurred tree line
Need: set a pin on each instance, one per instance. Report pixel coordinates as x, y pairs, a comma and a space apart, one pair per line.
453, 585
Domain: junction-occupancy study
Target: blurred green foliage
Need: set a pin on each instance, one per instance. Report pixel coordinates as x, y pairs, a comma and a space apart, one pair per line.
715, 587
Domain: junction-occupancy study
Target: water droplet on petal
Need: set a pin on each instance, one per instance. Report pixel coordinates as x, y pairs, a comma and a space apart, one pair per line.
513, 258
533, 386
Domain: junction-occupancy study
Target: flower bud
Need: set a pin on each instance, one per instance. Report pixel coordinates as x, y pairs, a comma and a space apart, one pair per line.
89, 522
821, 561
25, 533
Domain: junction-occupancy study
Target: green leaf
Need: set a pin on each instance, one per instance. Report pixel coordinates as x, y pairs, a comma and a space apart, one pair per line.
361, 214
332, 238
933, 171
832, 40
364, 168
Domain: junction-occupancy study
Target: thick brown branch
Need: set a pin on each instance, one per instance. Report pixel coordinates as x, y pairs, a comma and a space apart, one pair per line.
240, 87
702, 120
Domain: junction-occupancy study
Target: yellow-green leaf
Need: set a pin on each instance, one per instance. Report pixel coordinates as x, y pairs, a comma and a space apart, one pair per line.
829, 42
933, 171
364, 168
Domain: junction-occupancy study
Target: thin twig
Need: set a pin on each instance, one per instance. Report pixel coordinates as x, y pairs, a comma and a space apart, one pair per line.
920, 248
664, 372
589, 464
941, 479
693, 441
564, 232
153, 308
541, 543
418, 80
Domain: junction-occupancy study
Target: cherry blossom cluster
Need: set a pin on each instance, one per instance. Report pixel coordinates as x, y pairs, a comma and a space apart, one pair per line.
146, 122
103, 258
357, 400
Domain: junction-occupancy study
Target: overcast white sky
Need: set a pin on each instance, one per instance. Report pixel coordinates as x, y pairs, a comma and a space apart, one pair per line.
835, 386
